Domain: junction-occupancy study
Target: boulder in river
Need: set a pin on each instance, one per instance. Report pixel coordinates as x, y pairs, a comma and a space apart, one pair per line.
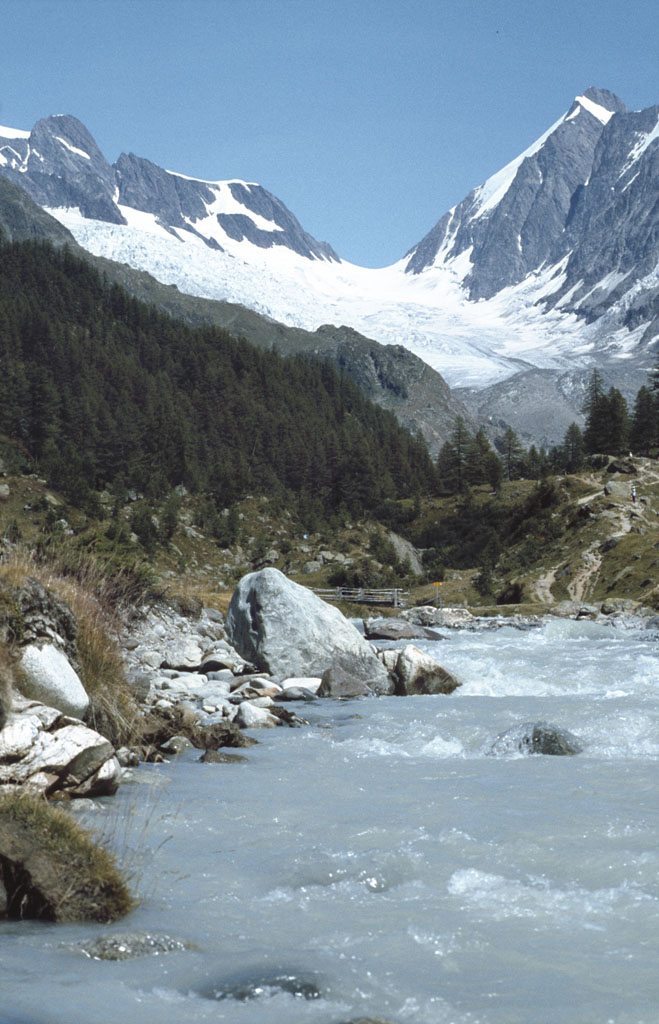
287, 630
429, 615
397, 629
343, 680
417, 673
536, 738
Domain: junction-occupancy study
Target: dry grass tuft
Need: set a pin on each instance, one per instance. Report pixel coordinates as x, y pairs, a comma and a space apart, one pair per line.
100, 602
52, 869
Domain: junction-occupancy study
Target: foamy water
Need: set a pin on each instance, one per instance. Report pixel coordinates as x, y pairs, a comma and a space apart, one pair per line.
382, 862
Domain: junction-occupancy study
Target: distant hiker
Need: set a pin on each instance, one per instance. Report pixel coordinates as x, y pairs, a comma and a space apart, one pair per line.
634, 495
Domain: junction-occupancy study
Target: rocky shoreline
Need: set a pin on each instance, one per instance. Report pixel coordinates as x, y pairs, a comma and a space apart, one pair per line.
201, 680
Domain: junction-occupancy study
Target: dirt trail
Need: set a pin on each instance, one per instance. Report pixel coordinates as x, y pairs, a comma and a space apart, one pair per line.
584, 579
541, 591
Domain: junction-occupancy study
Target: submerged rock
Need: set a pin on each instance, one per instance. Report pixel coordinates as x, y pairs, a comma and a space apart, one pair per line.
536, 738
128, 945
368, 1020
245, 988
219, 757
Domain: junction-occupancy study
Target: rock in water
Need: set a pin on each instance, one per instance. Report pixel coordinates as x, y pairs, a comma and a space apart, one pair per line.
397, 629
416, 673
128, 945
287, 630
536, 738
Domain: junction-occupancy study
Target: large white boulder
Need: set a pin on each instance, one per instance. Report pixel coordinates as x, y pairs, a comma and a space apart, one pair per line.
47, 676
286, 630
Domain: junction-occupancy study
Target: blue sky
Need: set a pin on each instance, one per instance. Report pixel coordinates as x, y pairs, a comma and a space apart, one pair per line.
368, 118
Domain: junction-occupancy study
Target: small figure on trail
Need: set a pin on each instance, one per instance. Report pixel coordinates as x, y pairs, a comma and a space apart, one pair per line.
634, 494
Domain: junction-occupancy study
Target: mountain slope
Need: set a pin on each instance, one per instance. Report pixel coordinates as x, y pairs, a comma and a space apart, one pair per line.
552, 264
391, 376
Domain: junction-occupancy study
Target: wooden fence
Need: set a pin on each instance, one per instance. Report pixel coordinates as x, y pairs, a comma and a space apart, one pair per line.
364, 595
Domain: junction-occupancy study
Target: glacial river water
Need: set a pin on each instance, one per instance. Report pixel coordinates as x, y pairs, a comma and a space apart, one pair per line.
381, 862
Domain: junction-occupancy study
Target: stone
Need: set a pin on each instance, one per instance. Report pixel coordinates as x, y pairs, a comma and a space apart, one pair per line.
219, 757
429, 615
220, 734
49, 677
397, 629
294, 693
72, 753
417, 673
536, 738
310, 683
183, 653
33, 614
4, 492
103, 782
128, 945
175, 745
251, 717
18, 738
286, 630
341, 683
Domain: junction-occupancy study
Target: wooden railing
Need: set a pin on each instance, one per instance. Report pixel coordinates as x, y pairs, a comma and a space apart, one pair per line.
364, 595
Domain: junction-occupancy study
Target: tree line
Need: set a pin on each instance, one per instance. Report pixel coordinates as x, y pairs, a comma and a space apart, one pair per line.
468, 459
98, 389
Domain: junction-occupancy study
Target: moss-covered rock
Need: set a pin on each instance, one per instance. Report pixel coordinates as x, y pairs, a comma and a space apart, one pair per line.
52, 870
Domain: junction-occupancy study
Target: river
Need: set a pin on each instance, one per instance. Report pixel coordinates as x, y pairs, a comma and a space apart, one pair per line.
382, 862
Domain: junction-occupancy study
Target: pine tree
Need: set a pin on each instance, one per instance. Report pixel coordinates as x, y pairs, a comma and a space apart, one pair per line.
573, 449
512, 454
644, 432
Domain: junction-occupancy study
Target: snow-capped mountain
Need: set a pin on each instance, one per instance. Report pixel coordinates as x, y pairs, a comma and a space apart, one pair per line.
60, 166
579, 205
553, 263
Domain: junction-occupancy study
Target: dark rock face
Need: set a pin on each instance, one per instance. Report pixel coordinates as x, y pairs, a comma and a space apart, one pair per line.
60, 165
536, 738
32, 614
586, 196
518, 233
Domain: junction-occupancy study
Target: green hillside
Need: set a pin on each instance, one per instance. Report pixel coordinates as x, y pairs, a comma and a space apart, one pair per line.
97, 388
